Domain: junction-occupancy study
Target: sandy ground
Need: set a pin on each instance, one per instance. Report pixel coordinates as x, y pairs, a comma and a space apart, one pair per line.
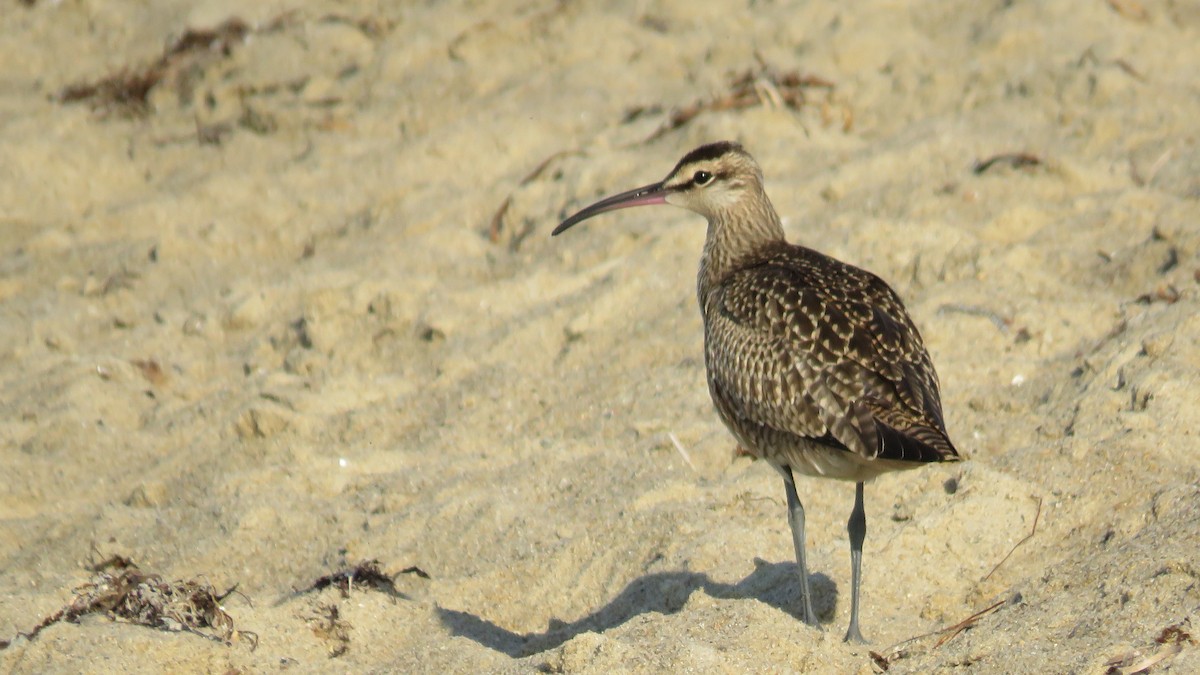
303, 310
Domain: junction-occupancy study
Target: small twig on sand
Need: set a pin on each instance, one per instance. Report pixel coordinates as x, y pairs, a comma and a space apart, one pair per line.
1123, 665
682, 450
496, 224
974, 310
545, 164
1026, 538
1170, 642
497, 221
1017, 160
965, 624
1143, 180
897, 651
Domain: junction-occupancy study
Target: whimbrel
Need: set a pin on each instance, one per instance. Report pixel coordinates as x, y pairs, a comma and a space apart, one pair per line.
813, 364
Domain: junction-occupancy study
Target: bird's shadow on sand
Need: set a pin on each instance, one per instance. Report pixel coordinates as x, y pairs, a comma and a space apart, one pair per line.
665, 592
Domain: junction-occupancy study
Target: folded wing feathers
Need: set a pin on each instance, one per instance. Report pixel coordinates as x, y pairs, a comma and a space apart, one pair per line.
828, 350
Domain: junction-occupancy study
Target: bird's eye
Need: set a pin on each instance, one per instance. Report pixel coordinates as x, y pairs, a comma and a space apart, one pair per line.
702, 177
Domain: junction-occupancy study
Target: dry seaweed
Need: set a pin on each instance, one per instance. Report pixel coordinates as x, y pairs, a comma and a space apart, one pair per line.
127, 92
366, 574
328, 625
413, 569
763, 86
1176, 634
120, 590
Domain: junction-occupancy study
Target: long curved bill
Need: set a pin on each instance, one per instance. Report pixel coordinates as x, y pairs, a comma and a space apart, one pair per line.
649, 194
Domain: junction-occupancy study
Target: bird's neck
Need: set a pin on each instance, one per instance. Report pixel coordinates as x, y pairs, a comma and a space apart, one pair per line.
735, 236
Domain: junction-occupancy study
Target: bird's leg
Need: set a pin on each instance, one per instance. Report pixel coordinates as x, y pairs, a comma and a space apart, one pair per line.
857, 527
796, 521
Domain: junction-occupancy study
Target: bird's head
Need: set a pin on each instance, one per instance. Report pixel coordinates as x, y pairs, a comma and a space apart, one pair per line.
713, 180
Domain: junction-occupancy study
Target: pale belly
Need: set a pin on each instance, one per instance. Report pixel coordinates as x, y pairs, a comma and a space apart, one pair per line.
808, 457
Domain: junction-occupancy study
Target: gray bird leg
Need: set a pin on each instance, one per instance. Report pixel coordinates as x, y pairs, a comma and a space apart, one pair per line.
796, 521
857, 527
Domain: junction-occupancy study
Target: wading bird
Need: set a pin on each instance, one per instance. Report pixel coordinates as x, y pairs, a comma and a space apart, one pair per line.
813, 364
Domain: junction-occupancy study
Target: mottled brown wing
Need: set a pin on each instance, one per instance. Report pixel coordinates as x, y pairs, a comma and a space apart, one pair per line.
811, 346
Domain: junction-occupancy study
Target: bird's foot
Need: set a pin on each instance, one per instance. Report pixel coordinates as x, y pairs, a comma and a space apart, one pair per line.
854, 636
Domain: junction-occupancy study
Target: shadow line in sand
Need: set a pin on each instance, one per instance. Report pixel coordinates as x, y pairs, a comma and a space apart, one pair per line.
664, 592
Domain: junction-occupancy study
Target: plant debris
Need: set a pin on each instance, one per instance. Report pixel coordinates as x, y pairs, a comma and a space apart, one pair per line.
151, 370
120, 590
1017, 160
1162, 293
368, 574
1130, 9
1032, 531
496, 224
764, 86
1176, 634
1170, 643
900, 650
127, 91
497, 221
1002, 323
328, 625
413, 569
